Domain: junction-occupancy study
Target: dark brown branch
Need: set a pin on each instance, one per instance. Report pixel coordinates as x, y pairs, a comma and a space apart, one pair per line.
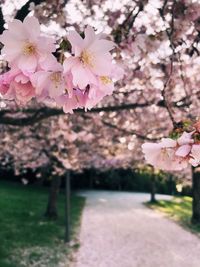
166, 103
124, 28
35, 115
39, 115
2, 21
170, 37
129, 132
24, 10
162, 10
21, 13
44, 113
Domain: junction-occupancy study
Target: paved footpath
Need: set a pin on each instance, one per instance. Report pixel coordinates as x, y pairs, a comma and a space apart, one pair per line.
119, 231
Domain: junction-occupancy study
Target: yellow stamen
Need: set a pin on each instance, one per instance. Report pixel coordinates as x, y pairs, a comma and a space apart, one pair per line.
29, 49
86, 58
105, 80
56, 78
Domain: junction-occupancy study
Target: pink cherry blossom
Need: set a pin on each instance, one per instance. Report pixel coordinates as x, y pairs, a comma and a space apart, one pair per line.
5, 80
87, 77
172, 154
97, 92
195, 155
49, 83
91, 58
163, 155
15, 85
185, 142
25, 47
183, 150
23, 92
185, 138
71, 102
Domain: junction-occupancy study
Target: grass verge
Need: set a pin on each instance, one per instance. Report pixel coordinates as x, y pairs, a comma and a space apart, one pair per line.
27, 238
179, 209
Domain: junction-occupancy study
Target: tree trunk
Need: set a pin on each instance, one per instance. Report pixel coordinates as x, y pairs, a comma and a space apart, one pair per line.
153, 189
67, 207
119, 184
51, 211
91, 183
196, 197
170, 184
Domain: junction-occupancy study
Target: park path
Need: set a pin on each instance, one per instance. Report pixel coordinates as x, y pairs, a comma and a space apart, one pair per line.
117, 230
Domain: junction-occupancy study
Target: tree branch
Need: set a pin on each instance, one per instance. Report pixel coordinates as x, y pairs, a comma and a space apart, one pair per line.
36, 115
45, 112
24, 10
170, 37
2, 21
127, 132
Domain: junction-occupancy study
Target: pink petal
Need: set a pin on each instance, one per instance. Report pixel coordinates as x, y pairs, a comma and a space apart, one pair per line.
12, 46
39, 81
9, 54
168, 142
17, 29
69, 63
194, 162
195, 152
82, 76
76, 42
27, 64
150, 148
32, 23
101, 46
46, 45
183, 151
22, 78
89, 36
23, 92
70, 105
50, 63
102, 66
186, 138
10, 40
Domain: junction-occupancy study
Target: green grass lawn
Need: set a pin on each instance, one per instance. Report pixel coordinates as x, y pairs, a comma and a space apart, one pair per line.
26, 237
179, 209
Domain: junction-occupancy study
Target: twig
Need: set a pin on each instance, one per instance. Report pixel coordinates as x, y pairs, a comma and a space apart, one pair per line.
170, 37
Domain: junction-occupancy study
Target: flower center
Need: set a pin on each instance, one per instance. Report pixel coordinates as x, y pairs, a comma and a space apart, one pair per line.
29, 49
105, 80
86, 58
56, 78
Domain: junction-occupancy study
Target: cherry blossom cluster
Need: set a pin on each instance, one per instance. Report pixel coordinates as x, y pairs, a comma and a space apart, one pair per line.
174, 154
84, 78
